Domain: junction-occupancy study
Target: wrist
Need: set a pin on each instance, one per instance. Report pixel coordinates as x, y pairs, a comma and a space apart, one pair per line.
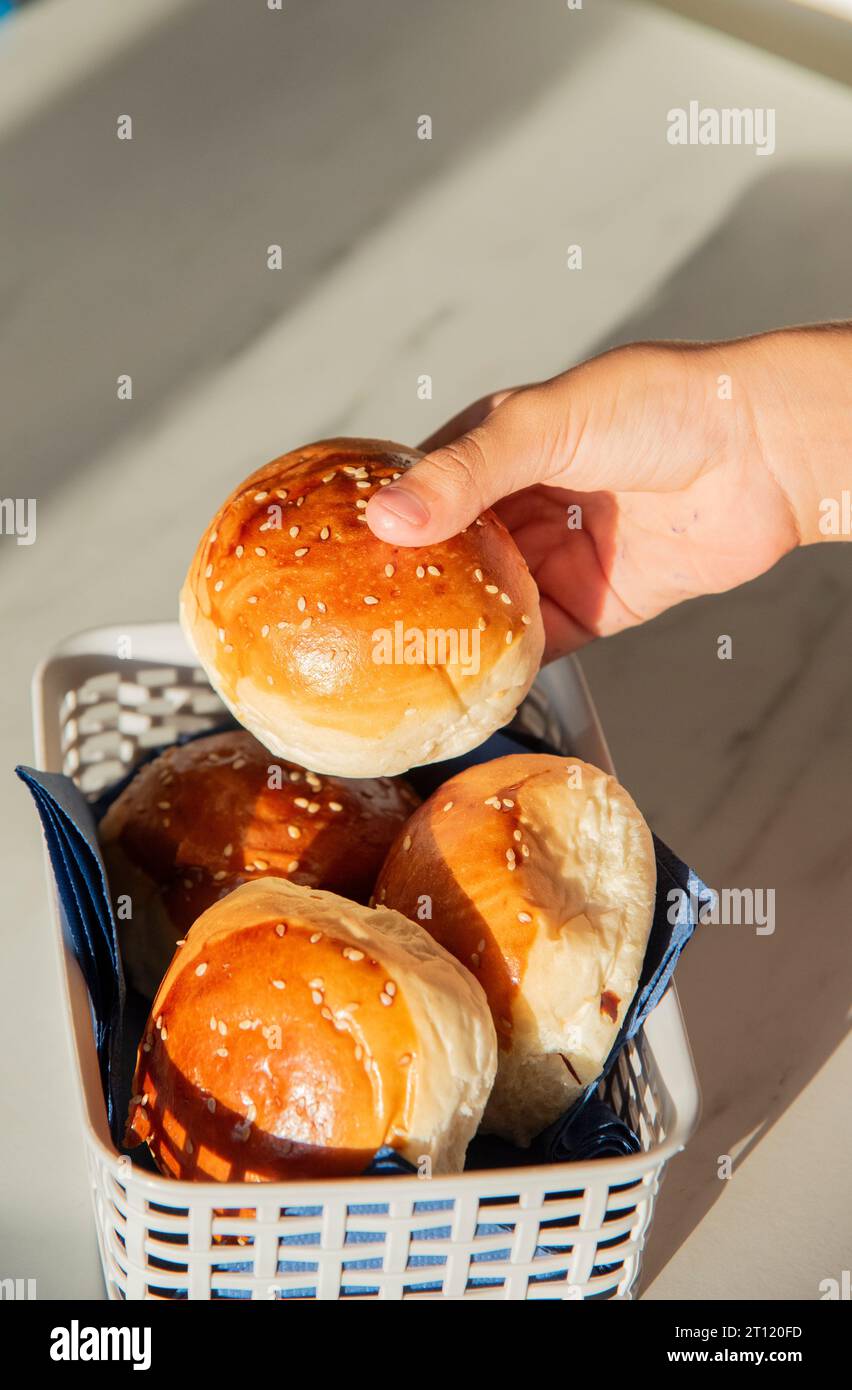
798, 393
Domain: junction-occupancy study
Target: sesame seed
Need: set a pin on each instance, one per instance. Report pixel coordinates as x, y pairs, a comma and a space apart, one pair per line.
360, 502
269, 680
318, 983
406, 844
229, 849
164, 805
294, 832
504, 598
239, 552
221, 1052
238, 763
261, 864
433, 569
208, 571
211, 1104
491, 589
316, 996
405, 1059
281, 929
214, 536
303, 550
524, 917
317, 936
282, 493
264, 631
362, 483
324, 533
294, 531
390, 571
164, 1032
477, 574
321, 606
474, 960
526, 619
313, 807
335, 806
480, 946
223, 1028
200, 969
508, 802
368, 598
301, 802
390, 988
259, 550
509, 637
219, 875
351, 953
260, 496
252, 598
449, 806
212, 1024
420, 571
221, 634
385, 998
277, 984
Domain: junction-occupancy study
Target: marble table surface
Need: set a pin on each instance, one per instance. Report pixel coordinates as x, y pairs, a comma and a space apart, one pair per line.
447, 258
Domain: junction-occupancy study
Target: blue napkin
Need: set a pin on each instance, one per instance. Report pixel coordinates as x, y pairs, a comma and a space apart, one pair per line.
591, 1129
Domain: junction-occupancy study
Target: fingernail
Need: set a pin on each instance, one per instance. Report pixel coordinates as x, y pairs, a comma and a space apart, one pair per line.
395, 504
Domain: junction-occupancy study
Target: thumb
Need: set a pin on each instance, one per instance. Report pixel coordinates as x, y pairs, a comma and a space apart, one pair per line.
634, 419
448, 488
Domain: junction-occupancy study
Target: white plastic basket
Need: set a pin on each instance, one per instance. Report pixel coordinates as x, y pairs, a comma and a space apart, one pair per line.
555, 1231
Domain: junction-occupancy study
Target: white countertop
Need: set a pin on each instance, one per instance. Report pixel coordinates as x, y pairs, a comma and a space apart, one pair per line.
453, 266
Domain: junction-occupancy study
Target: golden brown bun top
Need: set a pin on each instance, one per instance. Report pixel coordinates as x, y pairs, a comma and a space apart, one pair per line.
289, 585
296, 1033
219, 811
541, 875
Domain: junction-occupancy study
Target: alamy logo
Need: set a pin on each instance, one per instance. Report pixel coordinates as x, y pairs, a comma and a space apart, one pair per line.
17, 1288
18, 518
731, 907
723, 125
431, 646
76, 1343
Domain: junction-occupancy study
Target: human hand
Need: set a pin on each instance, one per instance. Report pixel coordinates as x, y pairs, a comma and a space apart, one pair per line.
643, 477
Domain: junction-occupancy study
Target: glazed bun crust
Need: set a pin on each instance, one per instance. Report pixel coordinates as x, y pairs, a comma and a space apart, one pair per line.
296, 1033
289, 587
220, 811
541, 874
